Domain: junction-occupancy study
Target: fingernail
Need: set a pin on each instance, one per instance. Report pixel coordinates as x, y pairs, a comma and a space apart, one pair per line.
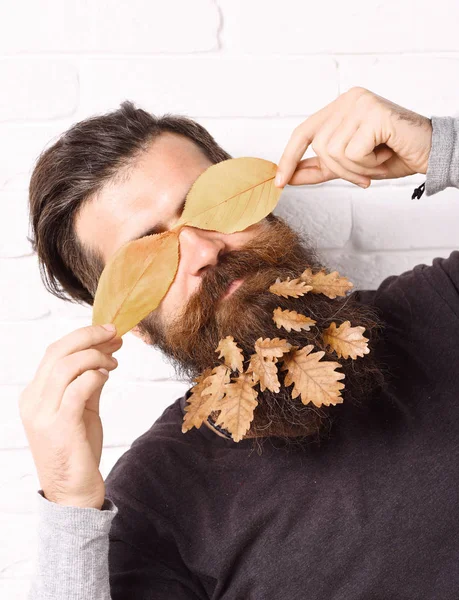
104, 371
278, 179
109, 327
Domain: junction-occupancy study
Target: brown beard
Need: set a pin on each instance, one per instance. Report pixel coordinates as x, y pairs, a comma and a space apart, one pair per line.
191, 338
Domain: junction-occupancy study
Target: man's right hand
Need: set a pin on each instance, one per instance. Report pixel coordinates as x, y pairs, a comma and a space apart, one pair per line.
59, 410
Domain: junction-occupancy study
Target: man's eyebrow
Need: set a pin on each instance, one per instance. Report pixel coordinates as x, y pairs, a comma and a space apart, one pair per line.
156, 229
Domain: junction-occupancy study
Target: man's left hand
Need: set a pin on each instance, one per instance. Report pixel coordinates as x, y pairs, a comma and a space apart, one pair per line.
358, 137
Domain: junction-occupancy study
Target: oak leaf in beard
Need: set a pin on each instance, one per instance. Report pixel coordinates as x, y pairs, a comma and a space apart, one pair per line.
237, 406
345, 340
272, 348
231, 353
290, 319
314, 381
329, 284
289, 287
264, 371
227, 197
198, 407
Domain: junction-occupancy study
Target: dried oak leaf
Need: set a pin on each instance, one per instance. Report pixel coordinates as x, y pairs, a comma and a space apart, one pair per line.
218, 379
272, 348
314, 381
237, 406
346, 340
290, 319
135, 280
231, 353
198, 407
231, 195
290, 287
264, 371
329, 284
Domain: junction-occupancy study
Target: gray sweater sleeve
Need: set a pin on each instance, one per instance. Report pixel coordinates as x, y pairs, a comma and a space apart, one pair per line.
72, 558
443, 167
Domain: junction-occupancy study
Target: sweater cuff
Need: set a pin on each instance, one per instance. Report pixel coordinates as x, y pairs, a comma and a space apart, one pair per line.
443, 165
84, 520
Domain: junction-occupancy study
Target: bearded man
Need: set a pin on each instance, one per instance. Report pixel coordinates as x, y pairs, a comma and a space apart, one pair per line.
357, 500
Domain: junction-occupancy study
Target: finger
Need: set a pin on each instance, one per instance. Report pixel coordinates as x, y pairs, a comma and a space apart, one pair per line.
86, 388
297, 145
67, 369
363, 148
77, 340
311, 171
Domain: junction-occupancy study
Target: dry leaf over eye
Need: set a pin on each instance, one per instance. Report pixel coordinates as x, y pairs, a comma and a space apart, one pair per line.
135, 280
231, 195
314, 381
329, 284
346, 340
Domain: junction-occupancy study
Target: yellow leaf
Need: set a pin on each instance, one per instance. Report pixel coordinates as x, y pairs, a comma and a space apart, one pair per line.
231, 195
231, 353
315, 381
329, 284
265, 372
290, 319
294, 287
346, 340
237, 407
198, 407
135, 280
270, 348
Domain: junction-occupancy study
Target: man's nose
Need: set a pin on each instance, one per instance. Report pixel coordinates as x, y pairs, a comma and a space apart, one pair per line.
199, 249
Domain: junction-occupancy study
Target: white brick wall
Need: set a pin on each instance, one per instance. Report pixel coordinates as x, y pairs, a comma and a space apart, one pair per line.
250, 71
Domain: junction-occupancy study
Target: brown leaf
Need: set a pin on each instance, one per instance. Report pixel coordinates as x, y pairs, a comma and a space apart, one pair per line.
198, 407
135, 280
218, 379
290, 287
231, 195
270, 348
346, 340
265, 372
231, 353
329, 284
290, 319
237, 407
315, 381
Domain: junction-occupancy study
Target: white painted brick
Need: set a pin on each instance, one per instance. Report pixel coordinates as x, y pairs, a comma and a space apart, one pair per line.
356, 26
37, 89
17, 556
215, 86
139, 26
27, 342
321, 212
424, 84
389, 220
23, 296
15, 228
21, 146
264, 138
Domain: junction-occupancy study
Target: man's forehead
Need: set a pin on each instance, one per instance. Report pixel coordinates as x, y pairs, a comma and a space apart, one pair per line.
145, 196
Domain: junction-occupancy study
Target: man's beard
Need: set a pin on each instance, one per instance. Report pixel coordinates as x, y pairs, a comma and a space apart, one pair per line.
190, 340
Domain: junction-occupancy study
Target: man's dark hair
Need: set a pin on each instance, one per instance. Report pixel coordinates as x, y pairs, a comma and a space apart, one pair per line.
87, 156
